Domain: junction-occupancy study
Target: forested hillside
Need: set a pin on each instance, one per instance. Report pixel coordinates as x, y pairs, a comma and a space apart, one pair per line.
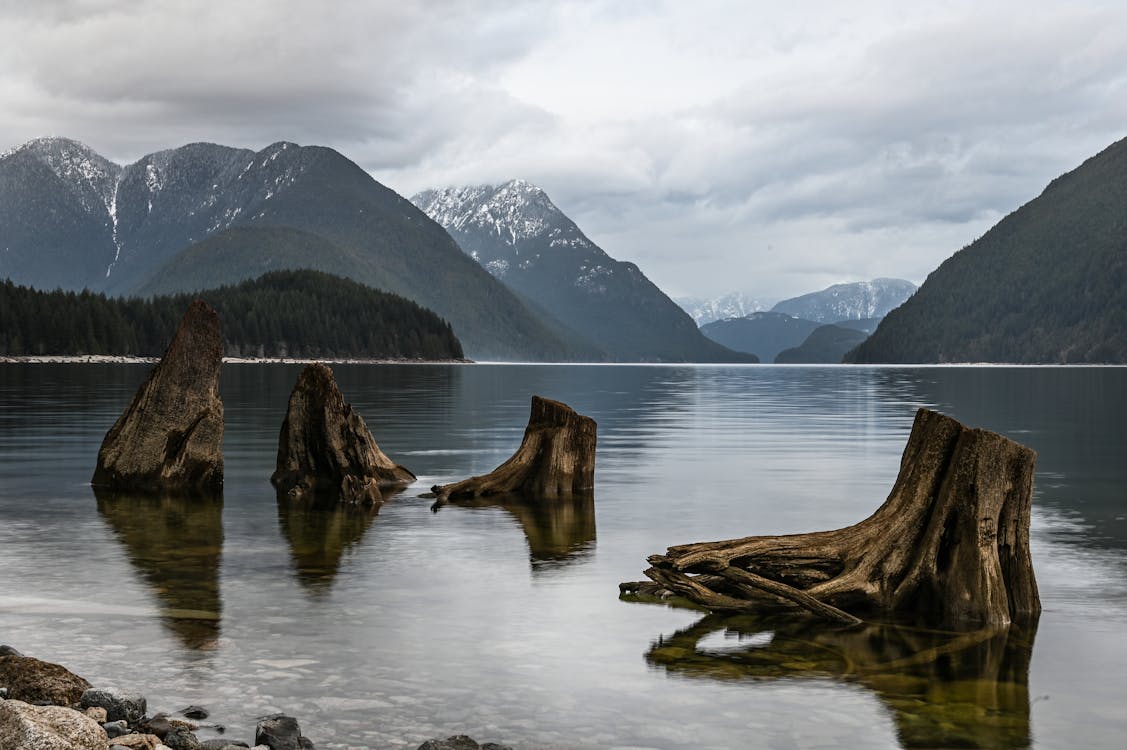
1044, 285
305, 314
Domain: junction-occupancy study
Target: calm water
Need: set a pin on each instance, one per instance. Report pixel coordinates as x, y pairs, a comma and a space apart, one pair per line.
505, 622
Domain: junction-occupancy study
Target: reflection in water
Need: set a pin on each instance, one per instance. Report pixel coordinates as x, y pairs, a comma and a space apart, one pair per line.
320, 529
944, 689
175, 543
558, 530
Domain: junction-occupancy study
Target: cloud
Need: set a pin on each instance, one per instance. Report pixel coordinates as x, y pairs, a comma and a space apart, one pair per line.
717, 145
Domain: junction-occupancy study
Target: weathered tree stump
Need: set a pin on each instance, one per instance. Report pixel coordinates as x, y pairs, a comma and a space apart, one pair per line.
556, 458
170, 437
325, 447
951, 543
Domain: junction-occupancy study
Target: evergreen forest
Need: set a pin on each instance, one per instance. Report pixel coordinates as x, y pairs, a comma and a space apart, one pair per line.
298, 314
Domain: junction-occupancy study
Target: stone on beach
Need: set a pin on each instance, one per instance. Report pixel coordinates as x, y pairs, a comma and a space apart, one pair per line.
27, 727
280, 732
41, 682
325, 445
120, 705
170, 437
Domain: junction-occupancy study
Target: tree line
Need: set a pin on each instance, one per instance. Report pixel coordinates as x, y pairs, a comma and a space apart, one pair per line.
300, 314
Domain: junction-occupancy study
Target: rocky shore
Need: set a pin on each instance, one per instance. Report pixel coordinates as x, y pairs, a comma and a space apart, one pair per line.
127, 360
45, 706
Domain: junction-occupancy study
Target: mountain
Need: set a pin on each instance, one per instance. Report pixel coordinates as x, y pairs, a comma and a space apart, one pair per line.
762, 333
825, 345
861, 299
517, 233
71, 219
730, 305
281, 314
1047, 284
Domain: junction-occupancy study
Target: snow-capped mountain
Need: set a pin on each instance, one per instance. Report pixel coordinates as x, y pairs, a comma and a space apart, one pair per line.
520, 236
855, 301
204, 215
730, 305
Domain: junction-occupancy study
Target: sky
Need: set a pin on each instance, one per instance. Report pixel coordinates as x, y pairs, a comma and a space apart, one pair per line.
721, 146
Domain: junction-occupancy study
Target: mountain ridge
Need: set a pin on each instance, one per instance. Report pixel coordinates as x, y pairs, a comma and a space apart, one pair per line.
523, 239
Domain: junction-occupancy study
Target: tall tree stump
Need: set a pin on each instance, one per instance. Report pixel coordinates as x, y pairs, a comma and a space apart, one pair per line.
325, 447
556, 458
951, 544
170, 437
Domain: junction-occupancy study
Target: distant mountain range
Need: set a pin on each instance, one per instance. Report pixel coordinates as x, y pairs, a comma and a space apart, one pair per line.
204, 215
1047, 284
856, 307
520, 236
854, 301
731, 305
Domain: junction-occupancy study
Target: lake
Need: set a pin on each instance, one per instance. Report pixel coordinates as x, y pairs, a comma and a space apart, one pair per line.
505, 623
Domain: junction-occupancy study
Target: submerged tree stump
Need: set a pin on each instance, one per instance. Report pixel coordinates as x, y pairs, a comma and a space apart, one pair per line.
325, 447
556, 458
951, 543
170, 437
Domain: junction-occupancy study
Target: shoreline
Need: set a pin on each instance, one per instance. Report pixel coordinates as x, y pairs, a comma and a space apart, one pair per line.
116, 359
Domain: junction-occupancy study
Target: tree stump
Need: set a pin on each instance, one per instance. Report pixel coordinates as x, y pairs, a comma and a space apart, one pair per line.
170, 438
950, 544
325, 447
556, 458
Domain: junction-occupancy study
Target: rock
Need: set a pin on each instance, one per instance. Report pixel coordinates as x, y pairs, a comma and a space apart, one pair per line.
280, 732
27, 727
119, 704
195, 712
9, 651
98, 714
171, 435
457, 742
325, 446
180, 738
114, 728
223, 745
494, 746
41, 682
138, 742
158, 725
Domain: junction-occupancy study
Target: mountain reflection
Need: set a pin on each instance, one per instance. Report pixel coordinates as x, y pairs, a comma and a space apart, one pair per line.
320, 530
559, 530
175, 543
968, 690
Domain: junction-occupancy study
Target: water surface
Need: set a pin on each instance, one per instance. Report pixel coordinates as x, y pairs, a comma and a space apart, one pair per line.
503, 621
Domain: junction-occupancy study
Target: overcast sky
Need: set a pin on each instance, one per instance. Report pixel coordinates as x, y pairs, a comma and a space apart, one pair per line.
719, 145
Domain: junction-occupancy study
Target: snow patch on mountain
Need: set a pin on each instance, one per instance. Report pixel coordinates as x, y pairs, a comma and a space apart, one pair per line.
514, 211
730, 305
853, 301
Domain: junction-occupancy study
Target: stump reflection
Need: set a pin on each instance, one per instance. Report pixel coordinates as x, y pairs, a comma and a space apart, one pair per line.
559, 530
175, 542
320, 529
943, 689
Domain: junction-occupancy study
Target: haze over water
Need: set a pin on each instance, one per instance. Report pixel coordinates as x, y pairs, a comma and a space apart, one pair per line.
504, 622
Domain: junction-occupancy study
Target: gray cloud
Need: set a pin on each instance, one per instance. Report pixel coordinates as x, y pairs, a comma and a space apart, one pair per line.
719, 145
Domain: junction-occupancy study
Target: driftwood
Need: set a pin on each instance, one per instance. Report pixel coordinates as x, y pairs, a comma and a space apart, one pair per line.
325, 448
171, 435
951, 544
556, 458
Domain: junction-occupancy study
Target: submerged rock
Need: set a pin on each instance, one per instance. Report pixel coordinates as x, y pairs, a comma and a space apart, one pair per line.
325, 446
280, 732
33, 681
27, 727
171, 435
120, 705
460, 742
